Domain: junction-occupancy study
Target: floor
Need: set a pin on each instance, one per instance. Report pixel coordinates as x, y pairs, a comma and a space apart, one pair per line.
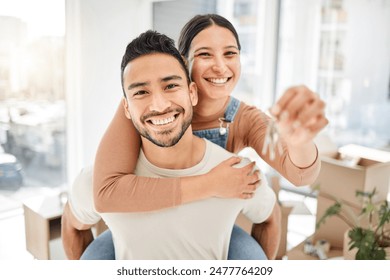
12, 236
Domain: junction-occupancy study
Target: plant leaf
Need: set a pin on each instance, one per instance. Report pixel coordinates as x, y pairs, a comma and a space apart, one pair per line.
365, 241
384, 214
331, 211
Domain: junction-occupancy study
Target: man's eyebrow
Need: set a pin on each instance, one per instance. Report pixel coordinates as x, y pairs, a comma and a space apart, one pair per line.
172, 77
134, 85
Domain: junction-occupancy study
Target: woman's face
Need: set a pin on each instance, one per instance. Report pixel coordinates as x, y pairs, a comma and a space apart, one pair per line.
214, 62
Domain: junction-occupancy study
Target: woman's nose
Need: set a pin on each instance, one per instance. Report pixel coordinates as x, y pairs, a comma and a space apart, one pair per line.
219, 65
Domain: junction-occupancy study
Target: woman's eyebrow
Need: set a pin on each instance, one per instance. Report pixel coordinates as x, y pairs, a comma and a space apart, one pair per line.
206, 48
201, 49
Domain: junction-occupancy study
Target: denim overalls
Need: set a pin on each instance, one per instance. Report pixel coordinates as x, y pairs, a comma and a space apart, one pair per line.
214, 134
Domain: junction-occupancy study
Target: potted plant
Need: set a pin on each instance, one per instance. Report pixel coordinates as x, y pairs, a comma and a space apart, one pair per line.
369, 230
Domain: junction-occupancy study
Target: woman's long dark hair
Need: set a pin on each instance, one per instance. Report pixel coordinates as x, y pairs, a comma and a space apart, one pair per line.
199, 23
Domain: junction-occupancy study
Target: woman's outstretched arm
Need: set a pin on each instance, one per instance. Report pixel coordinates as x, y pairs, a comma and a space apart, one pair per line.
117, 189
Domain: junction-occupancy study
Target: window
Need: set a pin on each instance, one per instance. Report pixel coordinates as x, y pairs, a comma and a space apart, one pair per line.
340, 48
32, 98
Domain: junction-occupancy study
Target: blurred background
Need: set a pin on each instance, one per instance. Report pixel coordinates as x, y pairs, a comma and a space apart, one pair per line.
60, 75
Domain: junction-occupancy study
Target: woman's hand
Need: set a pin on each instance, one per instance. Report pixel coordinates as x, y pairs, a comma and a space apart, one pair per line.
301, 115
228, 181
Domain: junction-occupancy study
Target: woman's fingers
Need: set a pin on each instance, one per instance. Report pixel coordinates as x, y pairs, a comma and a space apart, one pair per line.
293, 102
232, 160
246, 195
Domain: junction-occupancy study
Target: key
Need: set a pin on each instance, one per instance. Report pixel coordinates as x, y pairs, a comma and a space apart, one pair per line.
271, 141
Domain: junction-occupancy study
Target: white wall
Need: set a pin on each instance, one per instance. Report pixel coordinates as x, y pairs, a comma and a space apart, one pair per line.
97, 32
367, 66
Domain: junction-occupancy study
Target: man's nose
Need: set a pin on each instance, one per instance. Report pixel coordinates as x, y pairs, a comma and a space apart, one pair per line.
159, 102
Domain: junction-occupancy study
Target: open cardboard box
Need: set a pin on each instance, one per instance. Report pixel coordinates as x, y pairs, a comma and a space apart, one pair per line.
353, 168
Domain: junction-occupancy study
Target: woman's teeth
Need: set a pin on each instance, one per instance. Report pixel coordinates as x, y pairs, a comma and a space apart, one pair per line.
218, 80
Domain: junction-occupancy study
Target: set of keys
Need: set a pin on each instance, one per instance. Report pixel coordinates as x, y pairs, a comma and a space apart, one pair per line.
271, 143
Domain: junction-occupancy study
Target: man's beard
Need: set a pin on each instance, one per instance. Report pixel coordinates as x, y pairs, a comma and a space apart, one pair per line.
168, 140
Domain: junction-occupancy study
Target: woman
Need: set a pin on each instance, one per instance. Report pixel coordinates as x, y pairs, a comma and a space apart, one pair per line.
211, 46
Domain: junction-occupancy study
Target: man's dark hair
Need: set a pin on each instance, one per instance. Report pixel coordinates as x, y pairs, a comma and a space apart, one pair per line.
151, 42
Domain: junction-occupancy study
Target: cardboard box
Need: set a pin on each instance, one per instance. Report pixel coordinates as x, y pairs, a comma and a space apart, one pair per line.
297, 253
353, 168
286, 210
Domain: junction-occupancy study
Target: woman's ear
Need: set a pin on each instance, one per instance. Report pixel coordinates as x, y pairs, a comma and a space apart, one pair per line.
193, 93
126, 107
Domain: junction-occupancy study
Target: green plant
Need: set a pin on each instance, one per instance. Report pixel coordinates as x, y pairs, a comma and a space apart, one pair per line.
369, 232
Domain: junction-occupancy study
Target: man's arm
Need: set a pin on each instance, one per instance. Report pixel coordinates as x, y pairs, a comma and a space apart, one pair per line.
75, 235
268, 233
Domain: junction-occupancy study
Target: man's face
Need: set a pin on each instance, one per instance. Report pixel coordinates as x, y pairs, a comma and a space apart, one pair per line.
159, 100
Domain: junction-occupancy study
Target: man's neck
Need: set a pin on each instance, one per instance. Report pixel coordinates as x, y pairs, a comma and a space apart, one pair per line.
188, 152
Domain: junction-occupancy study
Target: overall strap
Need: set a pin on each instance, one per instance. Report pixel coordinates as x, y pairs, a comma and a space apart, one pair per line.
232, 109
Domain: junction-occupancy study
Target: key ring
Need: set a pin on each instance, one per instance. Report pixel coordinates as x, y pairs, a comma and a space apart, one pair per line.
223, 130
271, 140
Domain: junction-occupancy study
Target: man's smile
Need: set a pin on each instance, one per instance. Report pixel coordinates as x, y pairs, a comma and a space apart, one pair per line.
163, 119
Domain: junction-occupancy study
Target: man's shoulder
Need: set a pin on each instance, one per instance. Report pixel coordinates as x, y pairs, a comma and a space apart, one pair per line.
83, 181
217, 152
85, 175
215, 149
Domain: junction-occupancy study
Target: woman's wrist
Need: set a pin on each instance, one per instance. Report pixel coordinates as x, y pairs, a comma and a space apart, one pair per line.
303, 156
198, 187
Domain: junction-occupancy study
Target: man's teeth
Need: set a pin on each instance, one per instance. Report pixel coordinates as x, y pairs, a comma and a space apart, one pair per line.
163, 121
218, 80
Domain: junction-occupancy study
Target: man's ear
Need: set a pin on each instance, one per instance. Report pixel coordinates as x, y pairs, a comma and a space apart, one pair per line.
126, 107
193, 93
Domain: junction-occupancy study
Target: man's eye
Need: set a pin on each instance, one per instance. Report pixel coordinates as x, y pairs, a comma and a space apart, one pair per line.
140, 93
171, 86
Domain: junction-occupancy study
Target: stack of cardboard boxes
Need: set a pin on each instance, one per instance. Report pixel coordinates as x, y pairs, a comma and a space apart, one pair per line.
352, 168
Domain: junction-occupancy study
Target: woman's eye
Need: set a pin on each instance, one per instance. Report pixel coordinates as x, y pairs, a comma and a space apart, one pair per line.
231, 53
205, 54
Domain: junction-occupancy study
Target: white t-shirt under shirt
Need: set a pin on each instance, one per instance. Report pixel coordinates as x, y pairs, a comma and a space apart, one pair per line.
196, 230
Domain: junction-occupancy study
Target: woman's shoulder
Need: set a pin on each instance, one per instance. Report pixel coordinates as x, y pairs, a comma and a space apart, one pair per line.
249, 112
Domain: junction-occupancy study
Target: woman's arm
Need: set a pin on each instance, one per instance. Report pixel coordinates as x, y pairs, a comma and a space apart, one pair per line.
253, 136
301, 116
117, 189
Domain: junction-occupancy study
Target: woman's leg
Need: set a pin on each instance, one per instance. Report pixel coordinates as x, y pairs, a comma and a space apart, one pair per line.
102, 248
244, 247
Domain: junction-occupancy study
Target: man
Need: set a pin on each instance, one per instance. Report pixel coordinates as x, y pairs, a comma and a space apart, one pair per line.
159, 102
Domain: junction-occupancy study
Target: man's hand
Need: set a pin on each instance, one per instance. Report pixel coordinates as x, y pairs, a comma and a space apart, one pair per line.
268, 233
75, 235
